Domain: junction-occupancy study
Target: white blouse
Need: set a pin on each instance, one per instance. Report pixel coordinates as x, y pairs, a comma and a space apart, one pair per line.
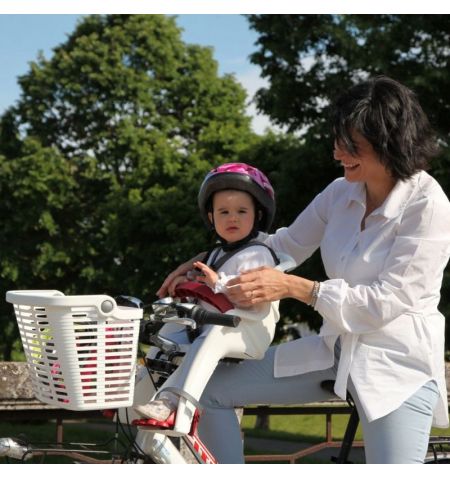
383, 291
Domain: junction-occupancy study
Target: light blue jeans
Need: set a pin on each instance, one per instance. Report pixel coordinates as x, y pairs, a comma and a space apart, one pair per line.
399, 437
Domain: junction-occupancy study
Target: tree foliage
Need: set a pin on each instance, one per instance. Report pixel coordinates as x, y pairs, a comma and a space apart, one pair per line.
102, 156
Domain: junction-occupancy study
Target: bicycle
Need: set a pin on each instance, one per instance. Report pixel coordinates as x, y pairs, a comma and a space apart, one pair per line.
168, 326
82, 349
88, 363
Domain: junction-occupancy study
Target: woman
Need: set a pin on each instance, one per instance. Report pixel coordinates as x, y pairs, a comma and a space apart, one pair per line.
384, 234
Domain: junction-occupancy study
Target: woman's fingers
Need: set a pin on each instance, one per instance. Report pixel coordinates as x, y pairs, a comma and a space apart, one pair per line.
163, 290
167, 285
181, 270
247, 276
245, 290
264, 284
174, 283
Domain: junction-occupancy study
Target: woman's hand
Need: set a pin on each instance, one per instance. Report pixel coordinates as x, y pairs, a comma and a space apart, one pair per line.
177, 276
266, 284
210, 277
255, 286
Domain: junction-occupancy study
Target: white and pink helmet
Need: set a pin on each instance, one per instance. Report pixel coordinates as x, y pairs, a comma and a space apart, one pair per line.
241, 177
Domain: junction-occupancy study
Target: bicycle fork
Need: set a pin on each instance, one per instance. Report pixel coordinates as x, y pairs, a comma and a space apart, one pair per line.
158, 447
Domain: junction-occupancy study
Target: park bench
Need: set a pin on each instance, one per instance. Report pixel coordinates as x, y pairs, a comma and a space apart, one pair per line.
18, 403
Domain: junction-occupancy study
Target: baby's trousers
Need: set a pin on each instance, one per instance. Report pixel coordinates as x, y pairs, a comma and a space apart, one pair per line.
215, 343
399, 437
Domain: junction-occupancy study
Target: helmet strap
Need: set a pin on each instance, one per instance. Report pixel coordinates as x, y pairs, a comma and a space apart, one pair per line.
230, 246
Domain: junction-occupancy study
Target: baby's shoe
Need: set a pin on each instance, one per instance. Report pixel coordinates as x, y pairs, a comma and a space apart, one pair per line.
159, 409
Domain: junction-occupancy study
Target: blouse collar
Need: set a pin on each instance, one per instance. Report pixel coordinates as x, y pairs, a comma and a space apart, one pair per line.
396, 201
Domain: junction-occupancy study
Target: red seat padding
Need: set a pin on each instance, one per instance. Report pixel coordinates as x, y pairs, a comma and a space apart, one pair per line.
203, 292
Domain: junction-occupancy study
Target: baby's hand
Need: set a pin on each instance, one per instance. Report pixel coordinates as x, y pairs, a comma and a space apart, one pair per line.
210, 277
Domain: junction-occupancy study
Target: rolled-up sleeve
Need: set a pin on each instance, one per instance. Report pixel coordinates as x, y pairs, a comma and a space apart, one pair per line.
410, 279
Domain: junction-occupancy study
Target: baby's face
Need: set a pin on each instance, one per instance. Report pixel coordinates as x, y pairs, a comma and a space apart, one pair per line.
233, 214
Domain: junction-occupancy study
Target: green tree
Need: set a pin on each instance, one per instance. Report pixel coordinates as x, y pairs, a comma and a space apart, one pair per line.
38, 193
104, 153
309, 59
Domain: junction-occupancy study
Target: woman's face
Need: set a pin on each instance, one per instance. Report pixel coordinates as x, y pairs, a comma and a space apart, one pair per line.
233, 214
365, 166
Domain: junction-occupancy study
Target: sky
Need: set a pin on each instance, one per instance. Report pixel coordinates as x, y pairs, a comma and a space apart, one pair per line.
23, 36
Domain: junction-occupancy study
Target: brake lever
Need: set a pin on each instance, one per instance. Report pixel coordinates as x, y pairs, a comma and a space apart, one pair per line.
166, 345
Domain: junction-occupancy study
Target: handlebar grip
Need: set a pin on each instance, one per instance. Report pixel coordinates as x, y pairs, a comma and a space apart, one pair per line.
202, 316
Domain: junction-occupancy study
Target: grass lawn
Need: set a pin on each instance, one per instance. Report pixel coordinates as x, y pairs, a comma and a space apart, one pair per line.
303, 428
307, 428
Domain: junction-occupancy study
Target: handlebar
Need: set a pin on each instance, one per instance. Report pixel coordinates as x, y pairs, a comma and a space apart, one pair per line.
203, 317
182, 313
166, 306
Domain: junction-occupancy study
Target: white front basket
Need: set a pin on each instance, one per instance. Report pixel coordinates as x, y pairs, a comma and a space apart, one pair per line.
81, 350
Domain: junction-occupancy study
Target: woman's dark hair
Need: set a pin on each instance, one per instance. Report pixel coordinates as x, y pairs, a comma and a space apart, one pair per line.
390, 117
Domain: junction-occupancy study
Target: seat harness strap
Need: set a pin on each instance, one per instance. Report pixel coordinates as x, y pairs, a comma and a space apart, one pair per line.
216, 264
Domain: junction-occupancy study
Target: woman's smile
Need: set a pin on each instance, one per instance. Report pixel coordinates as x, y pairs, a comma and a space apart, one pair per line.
350, 167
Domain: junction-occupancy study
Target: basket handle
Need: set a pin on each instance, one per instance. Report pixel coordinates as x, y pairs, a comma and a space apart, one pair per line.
29, 297
106, 306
